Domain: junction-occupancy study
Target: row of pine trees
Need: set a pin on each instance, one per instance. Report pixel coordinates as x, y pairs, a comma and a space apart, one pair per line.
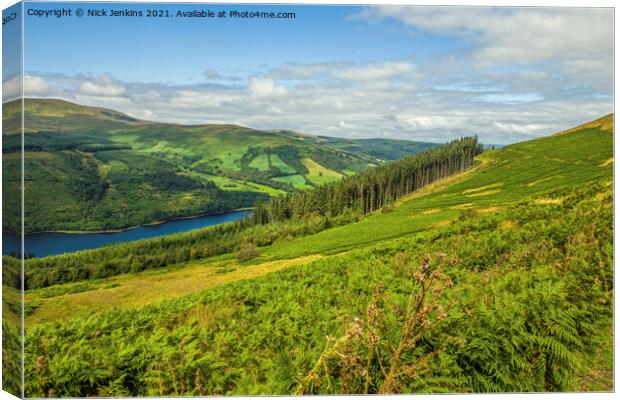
374, 189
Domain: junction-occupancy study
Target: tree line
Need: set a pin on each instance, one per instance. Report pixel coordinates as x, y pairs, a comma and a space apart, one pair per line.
372, 190
148, 254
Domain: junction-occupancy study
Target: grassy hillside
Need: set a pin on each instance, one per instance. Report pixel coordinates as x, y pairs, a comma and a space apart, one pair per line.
499, 279
101, 169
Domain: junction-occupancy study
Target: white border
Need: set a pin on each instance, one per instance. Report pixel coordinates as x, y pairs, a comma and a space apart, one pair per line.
496, 3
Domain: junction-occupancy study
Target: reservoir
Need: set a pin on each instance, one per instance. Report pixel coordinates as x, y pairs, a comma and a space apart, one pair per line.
45, 244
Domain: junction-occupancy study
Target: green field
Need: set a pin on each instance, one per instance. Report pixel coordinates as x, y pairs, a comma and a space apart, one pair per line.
104, 170
297, 181
261, 163
499, 279
318, 174
277, 162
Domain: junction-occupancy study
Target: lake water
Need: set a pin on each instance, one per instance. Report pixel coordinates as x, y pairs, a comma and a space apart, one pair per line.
45, 244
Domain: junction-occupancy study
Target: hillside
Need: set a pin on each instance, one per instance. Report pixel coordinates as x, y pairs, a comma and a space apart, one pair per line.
100, 169
499, 279
384, 149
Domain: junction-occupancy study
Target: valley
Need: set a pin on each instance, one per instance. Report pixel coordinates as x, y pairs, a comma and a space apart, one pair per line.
99, 169
308, 200
495, 279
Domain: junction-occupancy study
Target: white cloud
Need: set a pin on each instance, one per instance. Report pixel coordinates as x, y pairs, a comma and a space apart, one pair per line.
11, 89
266, 89
122, 104
451, 99
146, 97
344, 71
33, 86
375, 72
103, 86
298, 71
433, 122
470, 87
274, 110
509, 98
533, 75
509, 36
586, 70
195, 99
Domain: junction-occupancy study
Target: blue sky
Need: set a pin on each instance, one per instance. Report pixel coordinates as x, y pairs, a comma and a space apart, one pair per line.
420, 73
179, 50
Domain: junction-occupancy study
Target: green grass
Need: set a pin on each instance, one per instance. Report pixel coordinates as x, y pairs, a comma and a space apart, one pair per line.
318, 174
480, 190
321, 179
225, 183
517, 172
297, 181
277, 162
509, 284
261, 163
82, 298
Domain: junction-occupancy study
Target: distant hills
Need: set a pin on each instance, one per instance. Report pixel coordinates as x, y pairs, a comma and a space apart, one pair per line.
100, 169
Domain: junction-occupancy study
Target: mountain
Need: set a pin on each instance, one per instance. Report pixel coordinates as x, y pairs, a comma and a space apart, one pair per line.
380, 149
498, 279
100, 169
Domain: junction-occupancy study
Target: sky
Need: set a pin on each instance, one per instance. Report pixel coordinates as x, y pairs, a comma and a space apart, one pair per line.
418, 73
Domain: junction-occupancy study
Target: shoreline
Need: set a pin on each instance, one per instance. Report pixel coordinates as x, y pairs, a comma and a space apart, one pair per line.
154, 223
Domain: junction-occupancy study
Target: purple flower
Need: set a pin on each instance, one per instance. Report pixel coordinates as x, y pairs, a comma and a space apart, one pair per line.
424, 266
